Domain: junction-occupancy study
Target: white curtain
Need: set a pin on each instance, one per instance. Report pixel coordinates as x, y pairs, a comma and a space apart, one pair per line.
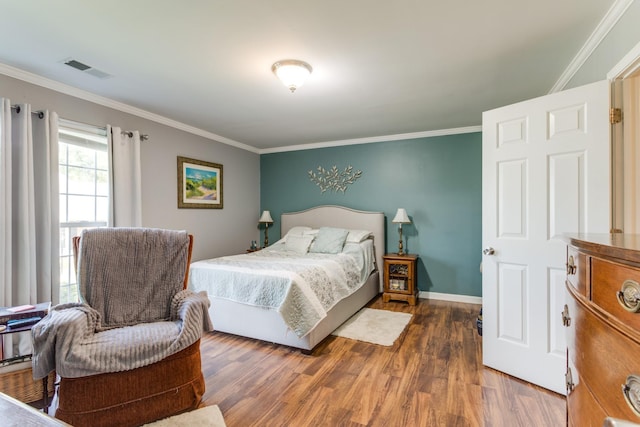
126, 200
29, 214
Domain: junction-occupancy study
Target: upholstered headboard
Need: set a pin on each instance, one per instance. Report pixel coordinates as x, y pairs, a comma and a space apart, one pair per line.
341, 217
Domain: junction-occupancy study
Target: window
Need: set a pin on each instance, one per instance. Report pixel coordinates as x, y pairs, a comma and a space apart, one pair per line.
84, 192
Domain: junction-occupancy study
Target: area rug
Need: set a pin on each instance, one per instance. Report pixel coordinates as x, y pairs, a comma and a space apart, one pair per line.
209, 416
380, 327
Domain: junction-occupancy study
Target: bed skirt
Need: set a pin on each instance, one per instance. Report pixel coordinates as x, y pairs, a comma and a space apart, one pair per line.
132, 398
267, 325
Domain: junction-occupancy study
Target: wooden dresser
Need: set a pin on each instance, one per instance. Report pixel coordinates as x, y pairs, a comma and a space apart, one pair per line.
602, 316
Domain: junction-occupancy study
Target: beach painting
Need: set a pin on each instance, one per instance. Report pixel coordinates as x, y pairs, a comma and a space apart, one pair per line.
199, 184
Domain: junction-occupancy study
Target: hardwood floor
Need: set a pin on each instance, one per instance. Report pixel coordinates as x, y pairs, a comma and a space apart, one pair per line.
432, 376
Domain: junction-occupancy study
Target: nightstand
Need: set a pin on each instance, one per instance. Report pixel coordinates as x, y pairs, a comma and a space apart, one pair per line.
400, 278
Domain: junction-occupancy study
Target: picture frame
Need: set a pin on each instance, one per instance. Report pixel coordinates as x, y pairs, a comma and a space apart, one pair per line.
200, 184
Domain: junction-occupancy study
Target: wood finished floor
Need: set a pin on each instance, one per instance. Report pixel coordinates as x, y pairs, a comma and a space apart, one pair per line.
432, 376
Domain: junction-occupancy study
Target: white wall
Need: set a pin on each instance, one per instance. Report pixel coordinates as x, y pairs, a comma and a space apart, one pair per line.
216, 231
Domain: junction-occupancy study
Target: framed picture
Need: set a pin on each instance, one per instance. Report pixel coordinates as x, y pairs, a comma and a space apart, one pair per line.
199, 184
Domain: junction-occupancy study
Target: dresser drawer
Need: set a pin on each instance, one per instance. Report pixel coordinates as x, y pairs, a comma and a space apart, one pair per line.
577, 270
607, 281
583, 409
604, 358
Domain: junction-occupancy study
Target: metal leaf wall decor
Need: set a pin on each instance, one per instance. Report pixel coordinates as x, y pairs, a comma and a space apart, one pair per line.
334, 180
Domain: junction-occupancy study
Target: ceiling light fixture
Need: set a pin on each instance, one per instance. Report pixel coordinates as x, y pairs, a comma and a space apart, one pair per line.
291, 72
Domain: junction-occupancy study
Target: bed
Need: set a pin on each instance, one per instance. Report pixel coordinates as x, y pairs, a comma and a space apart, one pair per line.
268, 324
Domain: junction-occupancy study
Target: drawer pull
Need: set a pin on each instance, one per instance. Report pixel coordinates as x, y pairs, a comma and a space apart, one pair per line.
566, 319
631, 391
571, 266
568, 379
629, 296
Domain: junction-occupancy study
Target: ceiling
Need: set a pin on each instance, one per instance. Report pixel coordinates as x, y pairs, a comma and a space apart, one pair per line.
379, 67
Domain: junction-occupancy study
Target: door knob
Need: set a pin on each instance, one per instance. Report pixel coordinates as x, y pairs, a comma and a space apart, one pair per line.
488, 251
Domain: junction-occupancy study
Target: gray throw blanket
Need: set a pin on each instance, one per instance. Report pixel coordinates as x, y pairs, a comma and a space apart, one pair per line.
65, 340
134, 311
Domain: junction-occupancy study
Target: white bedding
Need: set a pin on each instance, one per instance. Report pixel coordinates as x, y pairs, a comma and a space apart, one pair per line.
302, 288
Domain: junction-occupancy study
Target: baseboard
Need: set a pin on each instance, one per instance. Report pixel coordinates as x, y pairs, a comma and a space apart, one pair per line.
450, 297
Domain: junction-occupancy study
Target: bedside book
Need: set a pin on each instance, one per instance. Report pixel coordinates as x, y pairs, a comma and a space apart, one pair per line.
39, 310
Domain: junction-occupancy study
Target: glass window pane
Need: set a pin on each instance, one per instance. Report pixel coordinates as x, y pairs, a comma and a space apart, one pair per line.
102, 209
84, 196
81, 180
63, 208
62, 153
102, 160
65, 270
102, 186
81, 156
65, 249
82, 208
62, 178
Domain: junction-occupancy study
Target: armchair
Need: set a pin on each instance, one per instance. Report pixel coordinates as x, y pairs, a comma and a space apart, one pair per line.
129, 353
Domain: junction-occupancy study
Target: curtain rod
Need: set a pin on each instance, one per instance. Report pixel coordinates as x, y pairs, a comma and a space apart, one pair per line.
143, 137
39, 113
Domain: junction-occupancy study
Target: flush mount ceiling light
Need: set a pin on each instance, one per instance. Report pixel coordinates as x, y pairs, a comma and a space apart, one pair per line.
291, 72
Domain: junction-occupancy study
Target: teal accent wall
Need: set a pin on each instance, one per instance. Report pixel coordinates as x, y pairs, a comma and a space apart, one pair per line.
438, 180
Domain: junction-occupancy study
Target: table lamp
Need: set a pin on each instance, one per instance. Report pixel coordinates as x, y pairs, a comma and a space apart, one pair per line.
401, 218
266, 219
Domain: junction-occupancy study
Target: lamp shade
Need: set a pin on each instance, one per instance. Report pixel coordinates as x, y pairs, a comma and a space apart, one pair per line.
401, 217
266, 217
291, 72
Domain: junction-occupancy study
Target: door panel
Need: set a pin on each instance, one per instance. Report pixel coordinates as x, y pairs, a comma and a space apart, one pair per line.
512, 291
512, 197
545, 172
566, 192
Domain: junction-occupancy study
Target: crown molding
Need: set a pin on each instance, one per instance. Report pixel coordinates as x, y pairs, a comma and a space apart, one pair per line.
120, 106
615, 12
370, 140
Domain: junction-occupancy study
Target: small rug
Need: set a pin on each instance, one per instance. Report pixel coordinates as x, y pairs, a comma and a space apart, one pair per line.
380, 327
209, 416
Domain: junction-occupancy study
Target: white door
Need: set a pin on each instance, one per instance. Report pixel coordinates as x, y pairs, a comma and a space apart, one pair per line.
545, 171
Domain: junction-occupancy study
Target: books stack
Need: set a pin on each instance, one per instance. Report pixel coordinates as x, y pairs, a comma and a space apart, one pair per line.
12, 318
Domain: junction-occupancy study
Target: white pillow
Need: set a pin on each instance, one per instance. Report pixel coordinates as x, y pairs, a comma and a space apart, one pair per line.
298, 244
296, 231
358, 236
329, 240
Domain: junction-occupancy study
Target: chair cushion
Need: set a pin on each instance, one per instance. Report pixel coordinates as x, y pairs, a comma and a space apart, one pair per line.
130, 275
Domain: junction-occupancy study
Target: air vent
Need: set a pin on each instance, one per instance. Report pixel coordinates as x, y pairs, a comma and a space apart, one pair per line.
86, 68
77, 65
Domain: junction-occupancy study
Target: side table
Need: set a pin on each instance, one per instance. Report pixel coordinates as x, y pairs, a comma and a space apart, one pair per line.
400, 278
18, 382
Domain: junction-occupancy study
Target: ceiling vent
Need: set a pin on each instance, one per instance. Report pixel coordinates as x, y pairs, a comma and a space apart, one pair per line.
86, 68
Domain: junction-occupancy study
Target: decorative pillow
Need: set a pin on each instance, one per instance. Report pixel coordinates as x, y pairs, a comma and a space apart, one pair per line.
296, 231
298, 244
358, 236
329, 240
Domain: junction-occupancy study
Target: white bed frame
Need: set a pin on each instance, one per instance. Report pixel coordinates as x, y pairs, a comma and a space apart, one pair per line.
267, 325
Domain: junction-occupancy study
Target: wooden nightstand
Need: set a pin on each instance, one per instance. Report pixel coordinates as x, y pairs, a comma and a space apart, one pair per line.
400, 278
